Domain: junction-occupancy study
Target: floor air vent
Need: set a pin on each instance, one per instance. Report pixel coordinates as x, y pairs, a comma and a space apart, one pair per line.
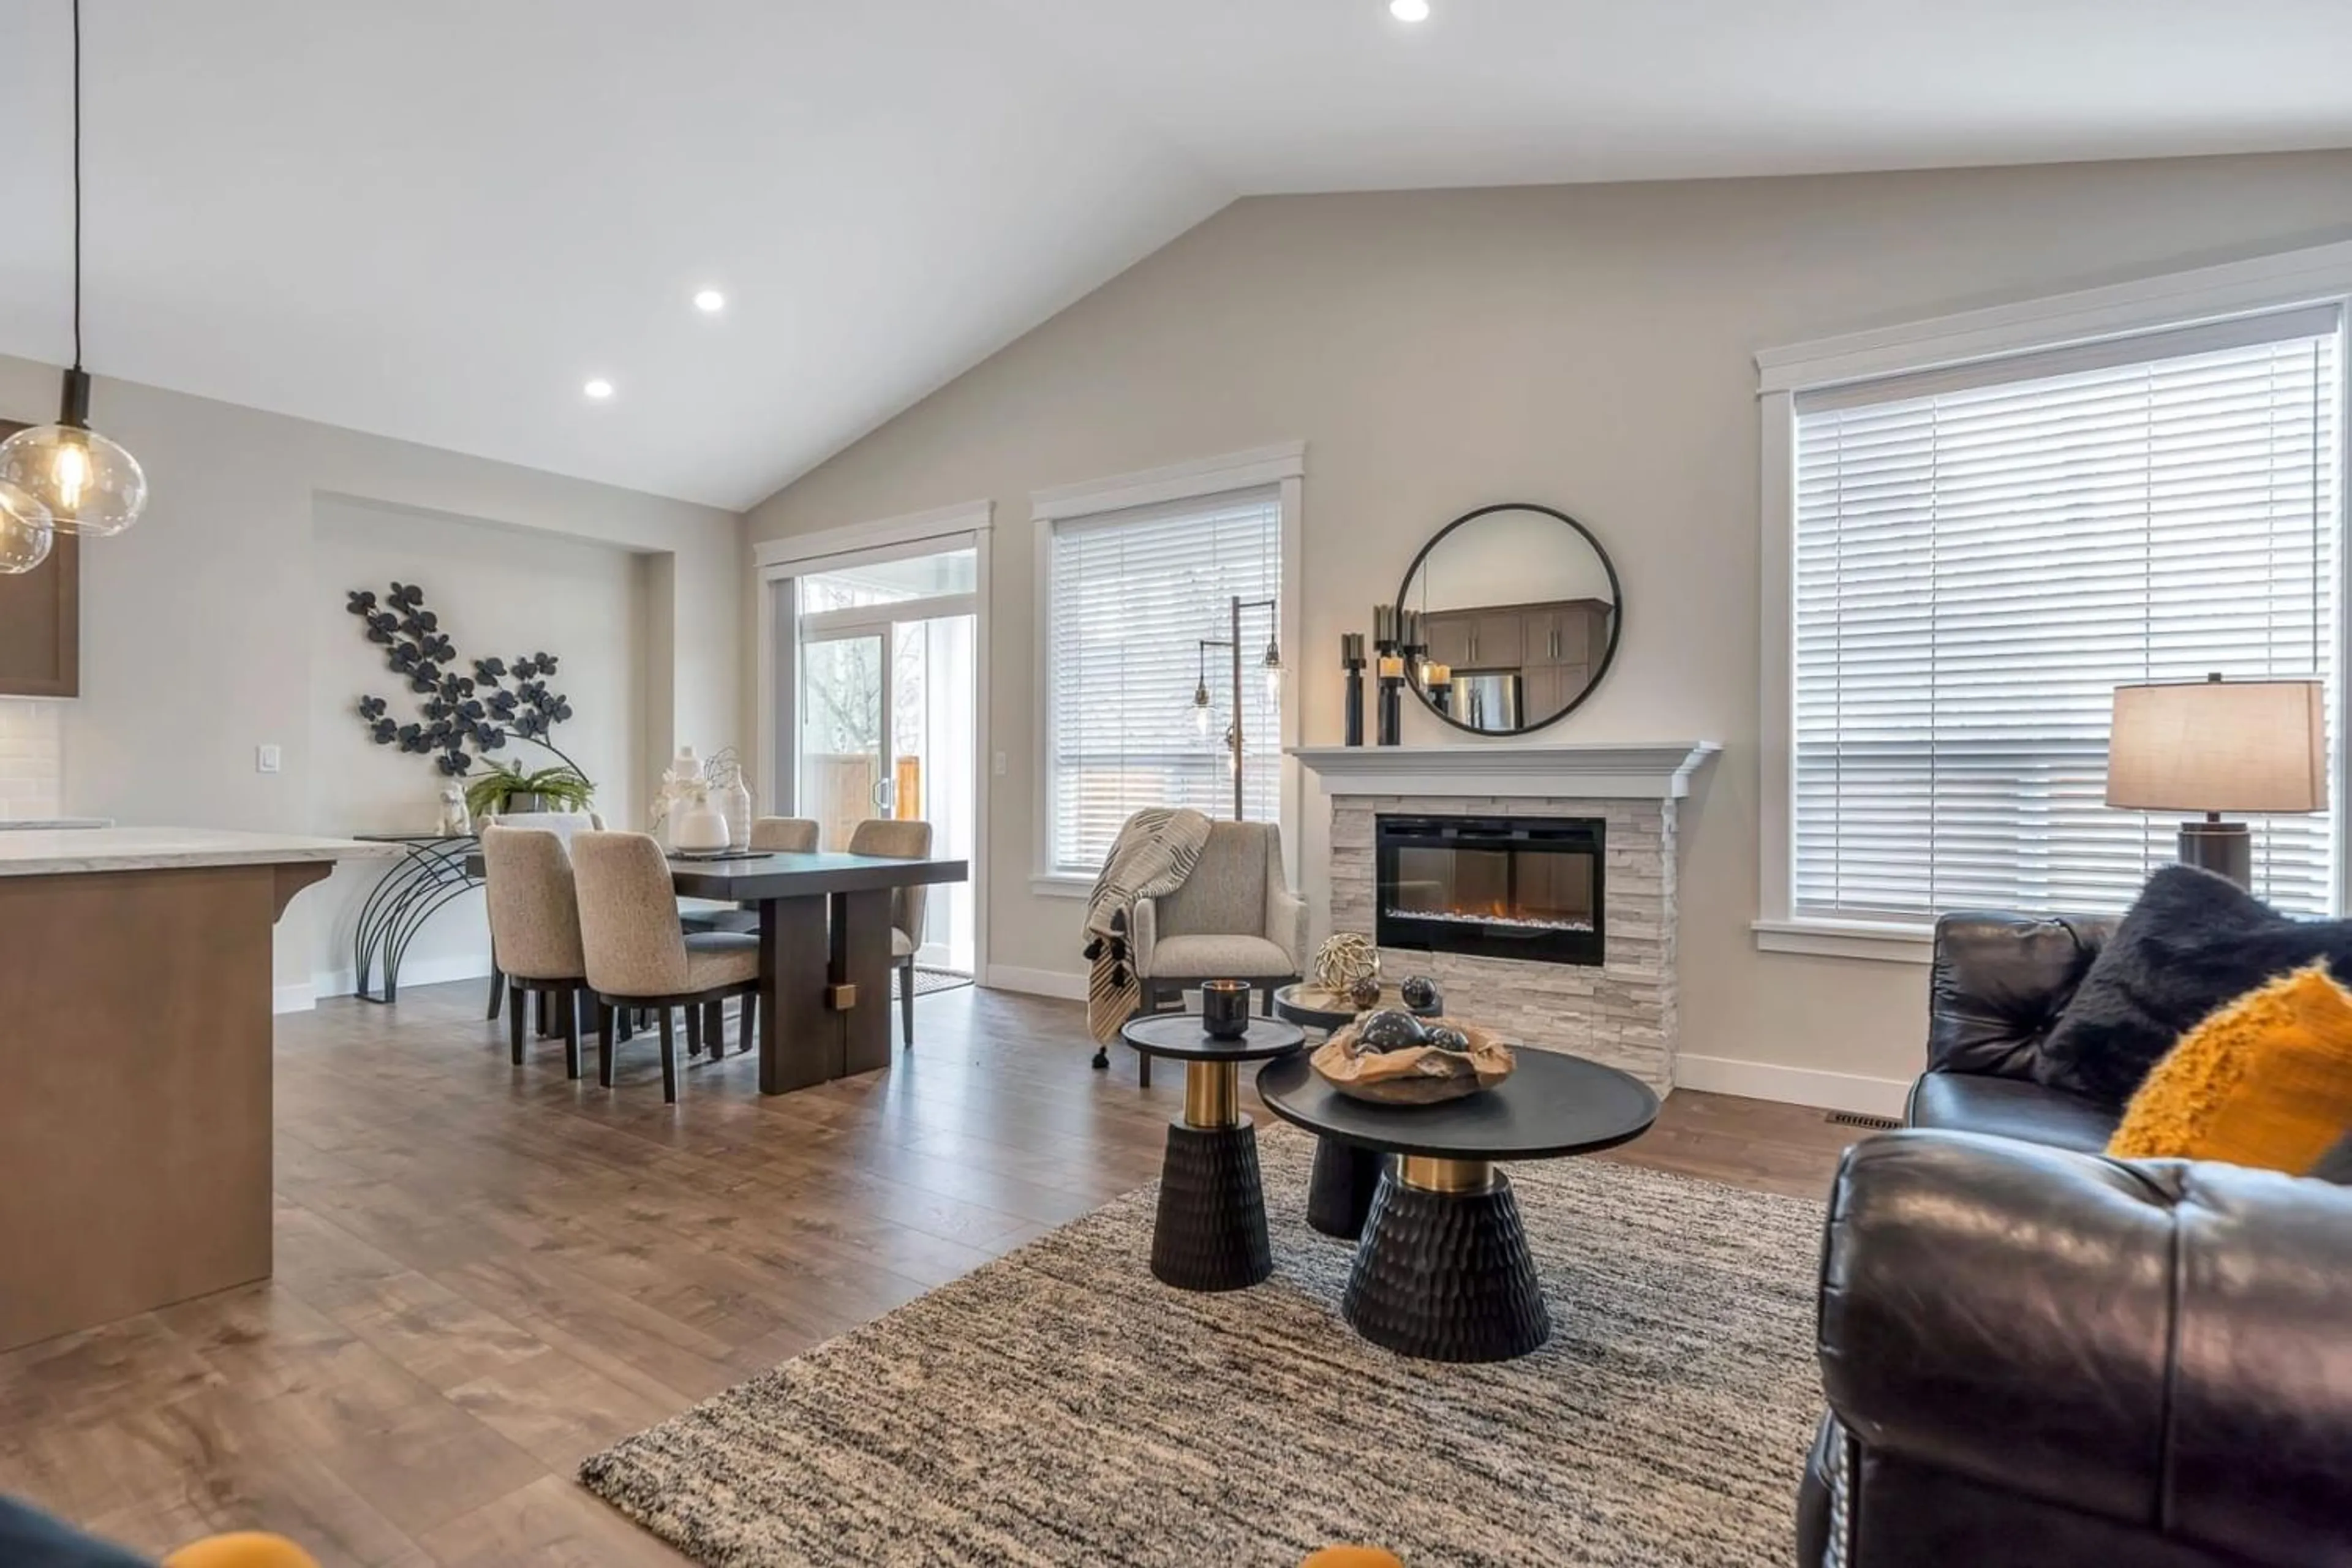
1856, 1119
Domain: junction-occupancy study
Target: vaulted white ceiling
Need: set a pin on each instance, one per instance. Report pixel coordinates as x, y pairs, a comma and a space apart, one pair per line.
435, 219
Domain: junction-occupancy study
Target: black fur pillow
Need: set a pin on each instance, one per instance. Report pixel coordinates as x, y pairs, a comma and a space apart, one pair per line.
2192, 941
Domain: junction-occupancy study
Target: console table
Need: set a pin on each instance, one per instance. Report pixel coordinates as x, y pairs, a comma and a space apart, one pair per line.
431, 871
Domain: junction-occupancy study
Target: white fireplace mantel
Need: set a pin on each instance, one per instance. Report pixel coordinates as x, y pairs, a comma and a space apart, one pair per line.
1607, 771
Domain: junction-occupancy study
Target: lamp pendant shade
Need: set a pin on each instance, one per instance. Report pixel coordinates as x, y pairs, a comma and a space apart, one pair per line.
25, 535
2214, 747
87, 483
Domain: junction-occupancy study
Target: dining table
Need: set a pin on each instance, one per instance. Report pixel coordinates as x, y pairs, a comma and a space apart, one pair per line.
824, 951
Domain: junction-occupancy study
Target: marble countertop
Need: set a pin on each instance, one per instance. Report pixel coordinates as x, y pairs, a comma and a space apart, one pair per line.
49, 852
28, 824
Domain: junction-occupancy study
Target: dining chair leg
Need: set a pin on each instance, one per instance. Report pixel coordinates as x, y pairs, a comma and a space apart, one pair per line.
498, 990
907, 1002
670, 1059
572, 1034
693, 1030
603, 1045
514, 1020
714, 1027
750, 1019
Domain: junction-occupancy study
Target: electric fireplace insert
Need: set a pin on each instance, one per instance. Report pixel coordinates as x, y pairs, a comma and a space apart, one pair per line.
1496, 887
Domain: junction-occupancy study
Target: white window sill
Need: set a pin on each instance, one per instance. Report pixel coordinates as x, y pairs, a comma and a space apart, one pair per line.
1888, 943
1060, 885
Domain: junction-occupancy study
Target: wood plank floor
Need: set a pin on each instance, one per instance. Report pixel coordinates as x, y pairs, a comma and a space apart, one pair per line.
486, 1273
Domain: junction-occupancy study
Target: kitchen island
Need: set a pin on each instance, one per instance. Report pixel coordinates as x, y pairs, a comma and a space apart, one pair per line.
135, 982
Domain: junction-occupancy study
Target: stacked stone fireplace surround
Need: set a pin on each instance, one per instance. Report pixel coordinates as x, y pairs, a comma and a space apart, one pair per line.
1622, 1012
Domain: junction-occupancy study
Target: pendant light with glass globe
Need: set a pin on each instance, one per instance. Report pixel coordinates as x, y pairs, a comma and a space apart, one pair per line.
67, 476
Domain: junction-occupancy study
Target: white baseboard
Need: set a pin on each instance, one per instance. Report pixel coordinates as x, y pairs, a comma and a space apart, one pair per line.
1036, 981
416, 972
299, 998
1792, 1086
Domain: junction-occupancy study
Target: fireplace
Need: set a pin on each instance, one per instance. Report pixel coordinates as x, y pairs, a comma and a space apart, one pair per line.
1494, 886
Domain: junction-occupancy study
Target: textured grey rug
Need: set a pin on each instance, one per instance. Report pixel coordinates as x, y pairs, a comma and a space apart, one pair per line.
1059, 1406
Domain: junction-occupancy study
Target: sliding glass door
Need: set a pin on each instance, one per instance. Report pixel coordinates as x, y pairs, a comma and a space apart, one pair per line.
883, 710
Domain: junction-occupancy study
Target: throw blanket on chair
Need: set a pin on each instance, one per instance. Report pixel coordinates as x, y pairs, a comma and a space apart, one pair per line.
1155, 851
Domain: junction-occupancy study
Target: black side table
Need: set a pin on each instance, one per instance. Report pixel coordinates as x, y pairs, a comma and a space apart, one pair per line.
1341, 1188
1209, 1233
1442, 1272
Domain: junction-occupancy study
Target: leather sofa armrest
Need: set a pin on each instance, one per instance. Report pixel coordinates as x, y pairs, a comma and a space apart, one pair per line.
1999, 983
2156, 1342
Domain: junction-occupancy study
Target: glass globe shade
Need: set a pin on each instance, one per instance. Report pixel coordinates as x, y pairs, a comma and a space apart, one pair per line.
87, 483
25, 536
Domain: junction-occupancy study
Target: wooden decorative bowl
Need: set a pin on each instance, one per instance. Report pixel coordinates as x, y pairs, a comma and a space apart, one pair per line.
1418, 1074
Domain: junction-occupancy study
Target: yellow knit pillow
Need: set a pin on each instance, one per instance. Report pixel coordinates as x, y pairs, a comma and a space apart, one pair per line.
2264, 1080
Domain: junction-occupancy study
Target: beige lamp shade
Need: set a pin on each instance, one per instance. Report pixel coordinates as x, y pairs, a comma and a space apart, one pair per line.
2220, 745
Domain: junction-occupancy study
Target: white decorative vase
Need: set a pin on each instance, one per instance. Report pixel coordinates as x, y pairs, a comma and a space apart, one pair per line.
735, 801
697, 828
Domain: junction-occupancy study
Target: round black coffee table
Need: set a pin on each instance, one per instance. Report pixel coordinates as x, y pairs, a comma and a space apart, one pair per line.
1442, 1272
1340, 1190
1210, 1234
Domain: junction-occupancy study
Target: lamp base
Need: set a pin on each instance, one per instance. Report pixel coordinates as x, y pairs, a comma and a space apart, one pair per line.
2224, 848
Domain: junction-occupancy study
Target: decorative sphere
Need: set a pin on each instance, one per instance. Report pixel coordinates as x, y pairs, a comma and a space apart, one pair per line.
1390, 1030
89, 484
1343, 959
1422, 995
1366, 991
1447, 1039
25, 536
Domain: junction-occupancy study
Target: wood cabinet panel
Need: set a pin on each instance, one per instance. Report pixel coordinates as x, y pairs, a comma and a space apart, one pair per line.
1449, 639
40, 620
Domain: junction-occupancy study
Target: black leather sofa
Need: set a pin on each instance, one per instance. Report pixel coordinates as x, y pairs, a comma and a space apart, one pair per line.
2035, 1356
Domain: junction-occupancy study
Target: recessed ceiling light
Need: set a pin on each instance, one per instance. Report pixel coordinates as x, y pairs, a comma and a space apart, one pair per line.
599, 388
711, 301
1409, 10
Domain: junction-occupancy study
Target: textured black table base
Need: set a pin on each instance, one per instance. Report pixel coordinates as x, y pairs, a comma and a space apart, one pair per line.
1339, 1193
1446, 1275
1210, 1231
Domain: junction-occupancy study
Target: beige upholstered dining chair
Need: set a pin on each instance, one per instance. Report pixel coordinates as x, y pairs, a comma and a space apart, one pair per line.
769, 836
784, 835
535, 929
899, 841
563, 825
638, 957
1234, 918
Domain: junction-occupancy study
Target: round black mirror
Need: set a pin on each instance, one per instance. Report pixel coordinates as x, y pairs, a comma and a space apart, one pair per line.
1521, 612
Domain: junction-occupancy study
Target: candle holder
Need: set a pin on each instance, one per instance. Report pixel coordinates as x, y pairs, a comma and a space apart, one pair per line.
1224, 1008
1391, 672
1351, 659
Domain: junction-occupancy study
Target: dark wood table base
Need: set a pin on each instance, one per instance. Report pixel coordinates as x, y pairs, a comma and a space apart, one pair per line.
1444, 1272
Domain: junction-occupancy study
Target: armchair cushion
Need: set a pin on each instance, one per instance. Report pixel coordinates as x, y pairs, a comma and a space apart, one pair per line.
2192, 941
1218, 958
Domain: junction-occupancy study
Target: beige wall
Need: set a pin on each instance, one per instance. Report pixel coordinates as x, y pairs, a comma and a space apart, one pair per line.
197, 624
1588, 347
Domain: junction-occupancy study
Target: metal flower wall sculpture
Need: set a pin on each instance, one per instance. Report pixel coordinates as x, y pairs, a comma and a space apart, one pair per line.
462, 715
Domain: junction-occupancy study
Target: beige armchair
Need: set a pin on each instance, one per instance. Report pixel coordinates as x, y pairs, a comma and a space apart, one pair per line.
1234, 919
899, 841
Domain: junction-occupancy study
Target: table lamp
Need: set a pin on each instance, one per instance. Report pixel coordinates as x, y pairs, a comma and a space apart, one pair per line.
2219, 745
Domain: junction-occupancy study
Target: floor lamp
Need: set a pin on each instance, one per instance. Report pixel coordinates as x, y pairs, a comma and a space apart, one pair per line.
2219, 745
1272, 664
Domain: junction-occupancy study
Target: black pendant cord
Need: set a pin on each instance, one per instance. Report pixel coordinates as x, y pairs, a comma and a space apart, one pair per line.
77, 182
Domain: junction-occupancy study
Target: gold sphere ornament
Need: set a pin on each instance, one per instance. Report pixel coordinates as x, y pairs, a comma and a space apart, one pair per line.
1346, 960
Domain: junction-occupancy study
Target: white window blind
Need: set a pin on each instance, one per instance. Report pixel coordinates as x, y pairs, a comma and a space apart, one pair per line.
1983, 555
1132, 594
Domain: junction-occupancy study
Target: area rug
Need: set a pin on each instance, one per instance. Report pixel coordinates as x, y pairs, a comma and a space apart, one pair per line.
1059, 1406
931, 981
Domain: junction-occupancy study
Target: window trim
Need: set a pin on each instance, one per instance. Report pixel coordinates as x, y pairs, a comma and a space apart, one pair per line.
2317, 275
1283, 465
